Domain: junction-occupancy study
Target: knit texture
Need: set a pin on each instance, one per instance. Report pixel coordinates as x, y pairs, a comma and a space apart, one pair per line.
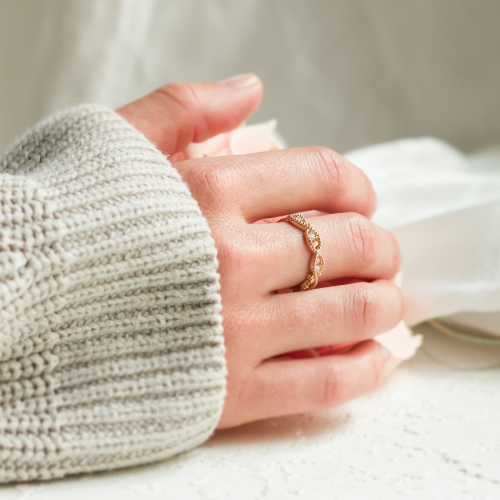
111, 350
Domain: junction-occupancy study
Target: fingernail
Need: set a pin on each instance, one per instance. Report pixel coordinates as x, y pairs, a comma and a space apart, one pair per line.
240, 81
386, 355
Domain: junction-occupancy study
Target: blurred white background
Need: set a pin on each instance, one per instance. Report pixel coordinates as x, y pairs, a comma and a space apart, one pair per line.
342, 73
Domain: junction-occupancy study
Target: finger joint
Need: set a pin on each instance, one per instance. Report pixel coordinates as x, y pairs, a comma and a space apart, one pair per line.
332, 168
361, 239
364, 308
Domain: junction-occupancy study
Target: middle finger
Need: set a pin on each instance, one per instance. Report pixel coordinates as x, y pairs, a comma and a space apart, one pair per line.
332, 315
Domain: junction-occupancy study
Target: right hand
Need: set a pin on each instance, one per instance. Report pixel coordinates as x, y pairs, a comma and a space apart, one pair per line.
256, 260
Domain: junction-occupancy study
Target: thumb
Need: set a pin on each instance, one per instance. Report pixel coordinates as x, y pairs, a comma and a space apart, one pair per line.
180, 113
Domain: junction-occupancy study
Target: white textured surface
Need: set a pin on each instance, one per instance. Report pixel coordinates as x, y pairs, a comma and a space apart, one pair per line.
429, 433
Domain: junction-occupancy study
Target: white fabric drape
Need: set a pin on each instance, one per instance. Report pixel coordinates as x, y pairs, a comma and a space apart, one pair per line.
444, 208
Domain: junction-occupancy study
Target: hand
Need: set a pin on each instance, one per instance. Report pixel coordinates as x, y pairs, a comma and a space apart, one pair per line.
257, 260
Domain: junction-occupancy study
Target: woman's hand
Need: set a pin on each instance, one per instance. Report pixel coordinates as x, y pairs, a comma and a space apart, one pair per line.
257, 260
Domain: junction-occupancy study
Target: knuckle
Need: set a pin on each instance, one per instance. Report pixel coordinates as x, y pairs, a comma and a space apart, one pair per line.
331, 166
364, 309
214, 179
361, 239
332, 390
211, 185
237, 254
181, 94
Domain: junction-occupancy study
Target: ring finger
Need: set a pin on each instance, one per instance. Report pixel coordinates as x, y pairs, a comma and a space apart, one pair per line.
352, 246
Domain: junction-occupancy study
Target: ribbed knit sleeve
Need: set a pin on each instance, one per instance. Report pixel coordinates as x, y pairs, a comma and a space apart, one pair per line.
111, 350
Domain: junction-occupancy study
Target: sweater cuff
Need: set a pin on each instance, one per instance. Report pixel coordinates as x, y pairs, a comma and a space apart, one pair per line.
111, 347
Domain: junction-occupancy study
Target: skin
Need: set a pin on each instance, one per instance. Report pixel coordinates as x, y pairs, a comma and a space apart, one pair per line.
356, 300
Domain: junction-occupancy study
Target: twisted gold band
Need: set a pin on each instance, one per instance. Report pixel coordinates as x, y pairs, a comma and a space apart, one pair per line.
313, 241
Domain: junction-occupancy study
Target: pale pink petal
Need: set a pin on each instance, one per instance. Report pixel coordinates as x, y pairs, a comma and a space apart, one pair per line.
313, 213
398, 279
253, 139
223, 152
211, 147
400, 341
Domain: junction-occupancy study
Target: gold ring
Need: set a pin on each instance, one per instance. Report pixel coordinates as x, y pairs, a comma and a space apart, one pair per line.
313, 241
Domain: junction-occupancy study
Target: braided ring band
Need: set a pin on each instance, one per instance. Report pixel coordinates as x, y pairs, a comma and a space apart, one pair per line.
313, 241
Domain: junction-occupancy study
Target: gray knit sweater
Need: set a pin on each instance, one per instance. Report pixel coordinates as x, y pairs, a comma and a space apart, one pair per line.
111, 350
